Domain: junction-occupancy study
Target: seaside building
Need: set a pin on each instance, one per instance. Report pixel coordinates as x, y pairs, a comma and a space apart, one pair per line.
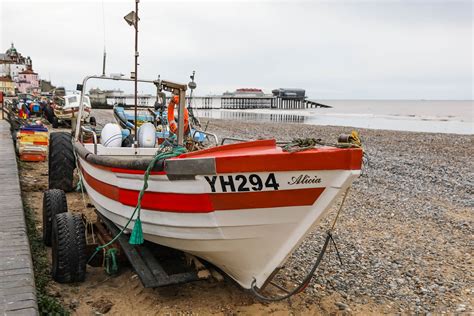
285, 93
248, 98
27, 81
19, 69
7, 86
12, 63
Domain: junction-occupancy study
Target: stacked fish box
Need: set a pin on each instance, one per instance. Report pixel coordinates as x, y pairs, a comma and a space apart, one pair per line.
32, 142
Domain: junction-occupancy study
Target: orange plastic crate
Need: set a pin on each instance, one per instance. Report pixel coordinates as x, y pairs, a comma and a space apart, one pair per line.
32, 157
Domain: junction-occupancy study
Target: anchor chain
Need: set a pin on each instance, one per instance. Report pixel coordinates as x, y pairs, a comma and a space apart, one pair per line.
307, 279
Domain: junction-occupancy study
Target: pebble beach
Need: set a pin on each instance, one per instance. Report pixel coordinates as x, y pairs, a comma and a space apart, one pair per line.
405, 234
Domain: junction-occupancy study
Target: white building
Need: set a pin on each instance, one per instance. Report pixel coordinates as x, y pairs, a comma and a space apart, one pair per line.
12, 63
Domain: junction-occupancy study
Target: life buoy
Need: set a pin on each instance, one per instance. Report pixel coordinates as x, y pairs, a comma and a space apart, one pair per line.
171, 121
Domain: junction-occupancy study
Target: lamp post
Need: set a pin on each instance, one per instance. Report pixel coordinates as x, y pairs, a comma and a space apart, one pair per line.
132, 19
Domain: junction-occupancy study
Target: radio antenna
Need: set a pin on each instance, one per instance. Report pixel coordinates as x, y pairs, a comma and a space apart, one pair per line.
192, 85
103, 29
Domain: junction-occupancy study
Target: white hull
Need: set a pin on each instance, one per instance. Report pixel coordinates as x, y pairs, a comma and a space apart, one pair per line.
246, 244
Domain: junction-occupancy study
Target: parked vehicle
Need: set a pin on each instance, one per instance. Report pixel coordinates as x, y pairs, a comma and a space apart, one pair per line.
63, 110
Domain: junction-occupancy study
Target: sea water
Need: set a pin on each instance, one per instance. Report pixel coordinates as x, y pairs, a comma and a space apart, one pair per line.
456, 117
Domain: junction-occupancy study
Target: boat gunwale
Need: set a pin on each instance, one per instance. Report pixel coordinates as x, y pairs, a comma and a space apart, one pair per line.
124, 162
228, 159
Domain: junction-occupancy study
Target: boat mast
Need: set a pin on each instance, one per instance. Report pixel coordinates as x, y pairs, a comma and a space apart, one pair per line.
136, 68
103, 63
103, 28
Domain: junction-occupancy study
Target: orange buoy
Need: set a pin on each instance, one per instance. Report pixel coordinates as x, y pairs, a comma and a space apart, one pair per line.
171, 121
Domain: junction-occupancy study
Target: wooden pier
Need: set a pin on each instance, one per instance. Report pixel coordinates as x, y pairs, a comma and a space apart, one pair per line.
239, 103
282, 103
17, 283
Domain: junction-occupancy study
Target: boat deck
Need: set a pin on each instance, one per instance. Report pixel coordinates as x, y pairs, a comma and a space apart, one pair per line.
17, 284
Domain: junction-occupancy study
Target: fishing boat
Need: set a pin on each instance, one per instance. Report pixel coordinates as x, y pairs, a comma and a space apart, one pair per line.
69, 106
65, 109
243, 206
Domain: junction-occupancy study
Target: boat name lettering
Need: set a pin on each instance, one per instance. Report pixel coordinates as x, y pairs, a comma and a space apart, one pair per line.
304, 179
242, 183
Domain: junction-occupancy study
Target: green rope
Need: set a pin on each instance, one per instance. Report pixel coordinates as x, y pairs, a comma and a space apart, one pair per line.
302, 144
136, 237
111, 265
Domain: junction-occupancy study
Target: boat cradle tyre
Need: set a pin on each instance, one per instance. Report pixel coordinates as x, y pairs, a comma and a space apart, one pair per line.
55, 122
61, 162
49, 113
68, 248
54, 202
92, 121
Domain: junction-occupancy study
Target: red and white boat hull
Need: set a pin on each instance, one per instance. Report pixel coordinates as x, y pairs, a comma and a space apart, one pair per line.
246, 223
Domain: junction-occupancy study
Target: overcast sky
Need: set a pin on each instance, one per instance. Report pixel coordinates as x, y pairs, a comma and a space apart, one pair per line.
333, 49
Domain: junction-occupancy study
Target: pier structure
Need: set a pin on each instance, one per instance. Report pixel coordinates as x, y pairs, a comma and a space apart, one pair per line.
293, 99
206, 102
263, 102
243, 99
240, 99
290, 103
246, 98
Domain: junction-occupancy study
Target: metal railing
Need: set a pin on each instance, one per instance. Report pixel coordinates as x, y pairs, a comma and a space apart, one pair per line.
94, 136
216, 139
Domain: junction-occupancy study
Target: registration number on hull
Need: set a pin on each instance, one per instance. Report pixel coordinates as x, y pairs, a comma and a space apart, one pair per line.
242, 183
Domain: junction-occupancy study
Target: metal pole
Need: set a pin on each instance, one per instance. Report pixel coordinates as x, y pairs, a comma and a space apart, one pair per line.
182, 105
1, 101
103, 63
136, 67
81, 108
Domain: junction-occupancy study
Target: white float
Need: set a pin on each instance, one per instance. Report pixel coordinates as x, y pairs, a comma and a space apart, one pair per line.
111, 135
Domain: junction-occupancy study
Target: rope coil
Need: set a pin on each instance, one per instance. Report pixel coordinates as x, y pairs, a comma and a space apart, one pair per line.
344, 141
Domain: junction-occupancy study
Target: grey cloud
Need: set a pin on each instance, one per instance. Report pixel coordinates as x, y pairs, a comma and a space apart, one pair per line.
353, 49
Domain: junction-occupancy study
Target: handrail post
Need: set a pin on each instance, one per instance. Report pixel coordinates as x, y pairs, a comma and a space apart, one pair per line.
81, 107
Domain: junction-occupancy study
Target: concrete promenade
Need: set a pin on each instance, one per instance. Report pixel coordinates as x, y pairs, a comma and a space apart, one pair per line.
17, 284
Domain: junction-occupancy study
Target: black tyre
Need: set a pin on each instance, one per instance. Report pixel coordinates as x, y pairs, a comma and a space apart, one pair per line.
68, 248
54, 202
49, 113
55, 122
61, 161
92, 121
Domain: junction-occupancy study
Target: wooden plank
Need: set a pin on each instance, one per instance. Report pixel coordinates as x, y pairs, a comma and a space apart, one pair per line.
142, 270
146, 265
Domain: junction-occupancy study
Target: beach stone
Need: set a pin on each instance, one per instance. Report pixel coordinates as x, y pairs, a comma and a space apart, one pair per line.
341, 305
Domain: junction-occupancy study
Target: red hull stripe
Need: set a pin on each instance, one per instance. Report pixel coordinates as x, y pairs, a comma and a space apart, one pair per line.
206, 202
264, 155
337, 159
264, 199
